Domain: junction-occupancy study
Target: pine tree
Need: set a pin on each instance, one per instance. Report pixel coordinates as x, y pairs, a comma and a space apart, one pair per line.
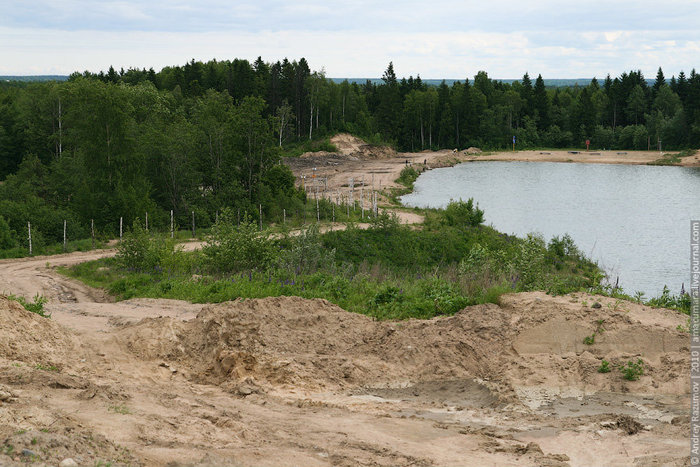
541, 103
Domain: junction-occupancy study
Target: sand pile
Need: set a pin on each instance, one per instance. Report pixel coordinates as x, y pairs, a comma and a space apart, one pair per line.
349, 148
349, 145
531, 341
32, 339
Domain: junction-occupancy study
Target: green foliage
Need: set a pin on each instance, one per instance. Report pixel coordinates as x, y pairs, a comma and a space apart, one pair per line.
463, 214
408, 176
389, 271
667, 300
306, 253
632, 370
141, 251
589, 340
42, 367
233, 248
35, 306
120, 409
604, 367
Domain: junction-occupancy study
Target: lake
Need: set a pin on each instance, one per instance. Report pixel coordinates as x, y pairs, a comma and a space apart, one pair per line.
633, 219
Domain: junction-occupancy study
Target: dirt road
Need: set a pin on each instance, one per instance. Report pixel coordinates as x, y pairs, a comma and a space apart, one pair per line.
287, 381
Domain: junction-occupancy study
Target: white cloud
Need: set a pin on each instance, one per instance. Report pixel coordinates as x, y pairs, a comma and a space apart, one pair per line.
357, 38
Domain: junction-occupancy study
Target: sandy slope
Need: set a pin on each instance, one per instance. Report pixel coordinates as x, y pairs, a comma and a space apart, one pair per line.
288, 381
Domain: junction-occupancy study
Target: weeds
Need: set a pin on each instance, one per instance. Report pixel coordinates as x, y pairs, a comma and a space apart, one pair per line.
35, 306
632, 370
604, 367
42, 367
120, 409
590, 340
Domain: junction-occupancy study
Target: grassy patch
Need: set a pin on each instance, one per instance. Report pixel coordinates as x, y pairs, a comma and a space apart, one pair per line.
35, 306
673, 158
388, 271
407, 178
53, 249
297, 149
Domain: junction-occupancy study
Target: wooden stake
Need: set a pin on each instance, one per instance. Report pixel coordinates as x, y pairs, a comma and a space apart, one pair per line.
172, 225
121, 231
147, 221
260, 212
193, 230
64, 235
29, 228
92, 232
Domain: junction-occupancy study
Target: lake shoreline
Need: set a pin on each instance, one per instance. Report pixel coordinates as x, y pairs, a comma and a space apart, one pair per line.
584, 157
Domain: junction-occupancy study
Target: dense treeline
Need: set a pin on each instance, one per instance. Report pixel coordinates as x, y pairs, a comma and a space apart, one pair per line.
624, 112
205, 136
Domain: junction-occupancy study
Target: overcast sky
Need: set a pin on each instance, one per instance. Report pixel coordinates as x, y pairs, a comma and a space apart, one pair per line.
356, 38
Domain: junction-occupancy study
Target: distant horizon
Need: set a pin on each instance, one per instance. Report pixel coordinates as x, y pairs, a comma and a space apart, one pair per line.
430, 81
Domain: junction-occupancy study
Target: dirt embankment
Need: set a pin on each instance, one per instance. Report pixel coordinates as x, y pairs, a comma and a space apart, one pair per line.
289, 381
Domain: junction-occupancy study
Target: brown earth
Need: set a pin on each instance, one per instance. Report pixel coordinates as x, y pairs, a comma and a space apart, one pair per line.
287, 381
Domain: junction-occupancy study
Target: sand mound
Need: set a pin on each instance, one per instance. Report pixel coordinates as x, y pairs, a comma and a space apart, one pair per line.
352, 148
530, 346
29, 338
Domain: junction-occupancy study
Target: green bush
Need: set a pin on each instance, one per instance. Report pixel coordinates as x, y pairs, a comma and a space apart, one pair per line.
461, 213
632, 370
604, 367
35, 306
305, 253
231, 248
143, 251
408, 176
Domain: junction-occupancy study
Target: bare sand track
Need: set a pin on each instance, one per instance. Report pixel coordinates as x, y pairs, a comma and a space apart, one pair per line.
290, 382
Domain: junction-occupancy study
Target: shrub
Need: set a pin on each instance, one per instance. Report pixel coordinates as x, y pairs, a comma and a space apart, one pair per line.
232, 248
306, 254
463, 214
604, 367
142, 251
632, 370
408, 176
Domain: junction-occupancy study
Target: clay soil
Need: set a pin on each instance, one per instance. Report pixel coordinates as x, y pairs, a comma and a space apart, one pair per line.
290, 382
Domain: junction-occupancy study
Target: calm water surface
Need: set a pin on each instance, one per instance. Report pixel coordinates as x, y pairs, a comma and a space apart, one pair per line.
634, 220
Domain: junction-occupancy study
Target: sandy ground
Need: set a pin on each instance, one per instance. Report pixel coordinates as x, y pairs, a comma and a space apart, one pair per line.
287, 382
587, 157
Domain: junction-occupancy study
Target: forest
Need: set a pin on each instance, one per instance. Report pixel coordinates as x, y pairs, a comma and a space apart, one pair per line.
205, 136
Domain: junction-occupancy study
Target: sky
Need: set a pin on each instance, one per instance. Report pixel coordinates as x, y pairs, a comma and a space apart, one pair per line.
357, 38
